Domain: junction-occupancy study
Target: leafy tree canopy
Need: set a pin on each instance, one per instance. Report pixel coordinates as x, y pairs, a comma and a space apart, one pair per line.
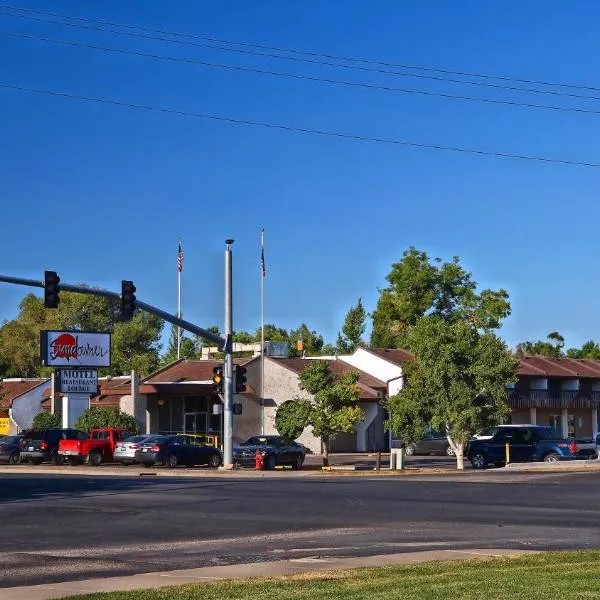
44, 419
419, 286
352, 329
457, 382
552, 347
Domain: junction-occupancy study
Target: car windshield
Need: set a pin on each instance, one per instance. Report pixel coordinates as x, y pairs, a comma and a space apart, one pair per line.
159, 439
259, 441
491, 432
547, 433
137, 438
35, 434
10, 439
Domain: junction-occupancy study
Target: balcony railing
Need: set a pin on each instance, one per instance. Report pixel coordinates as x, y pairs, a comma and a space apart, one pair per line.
553, 399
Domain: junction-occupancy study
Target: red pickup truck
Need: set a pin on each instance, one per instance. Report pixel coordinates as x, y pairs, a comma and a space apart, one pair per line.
97, 449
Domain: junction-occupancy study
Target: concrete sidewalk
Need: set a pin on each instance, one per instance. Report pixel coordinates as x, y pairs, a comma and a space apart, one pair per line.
264, 569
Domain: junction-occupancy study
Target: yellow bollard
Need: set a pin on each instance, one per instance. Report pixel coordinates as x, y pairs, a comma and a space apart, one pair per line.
507, 447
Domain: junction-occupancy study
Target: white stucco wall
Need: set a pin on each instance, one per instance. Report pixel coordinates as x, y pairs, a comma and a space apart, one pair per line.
370, 410
29, 404
373, 365
281, 385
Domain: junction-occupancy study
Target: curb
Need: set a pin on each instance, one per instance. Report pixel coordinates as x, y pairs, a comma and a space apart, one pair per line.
274, 569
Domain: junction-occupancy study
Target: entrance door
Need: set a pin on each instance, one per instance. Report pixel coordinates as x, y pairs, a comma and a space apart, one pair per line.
556, 424
195, 422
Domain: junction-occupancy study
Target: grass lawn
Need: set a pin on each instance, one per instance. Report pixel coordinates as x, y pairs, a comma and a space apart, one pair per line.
548, 576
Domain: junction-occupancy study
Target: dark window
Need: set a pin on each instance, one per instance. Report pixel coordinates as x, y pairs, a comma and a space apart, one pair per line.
10, 439
178, 439
196, 404
260, 441
503, 434
80, 435
101, 435
35, 434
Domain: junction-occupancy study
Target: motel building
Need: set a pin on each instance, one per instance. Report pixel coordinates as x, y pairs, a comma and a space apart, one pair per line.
562, 393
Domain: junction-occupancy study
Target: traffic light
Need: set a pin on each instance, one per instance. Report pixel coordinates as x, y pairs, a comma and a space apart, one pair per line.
51, 289
218, 379
240, 379
127, 300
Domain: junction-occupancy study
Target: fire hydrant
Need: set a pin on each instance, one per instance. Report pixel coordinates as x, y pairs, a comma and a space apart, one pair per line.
258, 461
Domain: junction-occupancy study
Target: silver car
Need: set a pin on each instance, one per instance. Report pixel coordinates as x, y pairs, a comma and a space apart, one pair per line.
125, 450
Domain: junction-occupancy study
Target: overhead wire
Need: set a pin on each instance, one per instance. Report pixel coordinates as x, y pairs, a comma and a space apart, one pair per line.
256, 70
297, 59
290, 128
303, 52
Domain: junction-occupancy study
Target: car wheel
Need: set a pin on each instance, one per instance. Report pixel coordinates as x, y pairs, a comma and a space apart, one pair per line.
95, 459
35, 461
298, 462
214, 462
479, 461
552, 457
14, 458
269, 463
449, 450
171, 461
74, 461
410, 450
56, 460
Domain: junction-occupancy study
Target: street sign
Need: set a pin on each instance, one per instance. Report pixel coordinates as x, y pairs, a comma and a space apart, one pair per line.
78, 381
75, 349
4, 426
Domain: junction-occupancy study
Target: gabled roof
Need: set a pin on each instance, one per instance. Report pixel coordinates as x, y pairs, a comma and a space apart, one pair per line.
10, 389
396, 356
185, 370
542, 366
370, 386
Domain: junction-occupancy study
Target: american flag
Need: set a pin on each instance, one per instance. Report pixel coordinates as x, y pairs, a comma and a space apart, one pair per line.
180, 258
262, 253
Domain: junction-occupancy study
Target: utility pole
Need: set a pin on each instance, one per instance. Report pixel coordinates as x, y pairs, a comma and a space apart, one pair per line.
228, 384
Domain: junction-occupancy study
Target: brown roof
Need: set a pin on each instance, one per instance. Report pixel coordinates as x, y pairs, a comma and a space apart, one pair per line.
11, 389
396, 356
189, 370
368, 384
542, 366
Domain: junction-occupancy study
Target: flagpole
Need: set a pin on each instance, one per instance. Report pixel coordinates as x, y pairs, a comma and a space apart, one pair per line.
179, 270
262, 331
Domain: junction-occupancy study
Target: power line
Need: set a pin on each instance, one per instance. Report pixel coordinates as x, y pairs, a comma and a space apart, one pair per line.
305, 77
301, 52
290, 128
354, 67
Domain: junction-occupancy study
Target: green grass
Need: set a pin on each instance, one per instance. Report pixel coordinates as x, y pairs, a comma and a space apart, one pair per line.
548, 576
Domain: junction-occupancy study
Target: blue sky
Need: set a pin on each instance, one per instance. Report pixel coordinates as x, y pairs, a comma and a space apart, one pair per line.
101, 193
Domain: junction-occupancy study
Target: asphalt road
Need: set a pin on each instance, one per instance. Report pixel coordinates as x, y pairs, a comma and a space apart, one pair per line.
58, 528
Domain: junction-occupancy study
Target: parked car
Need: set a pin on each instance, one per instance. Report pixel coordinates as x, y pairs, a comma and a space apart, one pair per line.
275, 451
526, 443
96, 449
10, 449
39, 445
174, 450
432, 443
125, 451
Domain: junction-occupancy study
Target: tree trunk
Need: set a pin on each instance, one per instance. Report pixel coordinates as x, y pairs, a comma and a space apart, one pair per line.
459, 452
325, 445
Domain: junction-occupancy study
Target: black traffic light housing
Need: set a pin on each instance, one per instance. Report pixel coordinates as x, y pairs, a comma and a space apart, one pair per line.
218, 379
127, 300
240, 379
51, 289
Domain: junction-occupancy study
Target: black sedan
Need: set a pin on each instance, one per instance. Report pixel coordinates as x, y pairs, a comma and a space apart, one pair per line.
274, 449
10, 449
174, 450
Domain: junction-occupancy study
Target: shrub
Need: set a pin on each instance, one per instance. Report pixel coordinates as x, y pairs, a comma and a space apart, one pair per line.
105, 416
45, 419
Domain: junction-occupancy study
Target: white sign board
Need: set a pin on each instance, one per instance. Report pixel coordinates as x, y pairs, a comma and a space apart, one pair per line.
75, 349
78, 381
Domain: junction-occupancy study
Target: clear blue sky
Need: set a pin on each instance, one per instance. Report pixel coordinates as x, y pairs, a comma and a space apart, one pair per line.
101, 193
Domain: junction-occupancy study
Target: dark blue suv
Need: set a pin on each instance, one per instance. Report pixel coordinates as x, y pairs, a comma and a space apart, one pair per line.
525, 442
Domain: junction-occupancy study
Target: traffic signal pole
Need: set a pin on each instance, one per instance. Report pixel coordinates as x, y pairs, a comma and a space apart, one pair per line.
228, 383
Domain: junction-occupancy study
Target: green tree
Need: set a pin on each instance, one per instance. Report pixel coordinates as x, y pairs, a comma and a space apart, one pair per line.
313, 341
332, 408
105, 416
273, 334
419, 287
44, 419
135, 343
457, 382
352, 329
590, 350
243, 337
552, 347
187, 348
